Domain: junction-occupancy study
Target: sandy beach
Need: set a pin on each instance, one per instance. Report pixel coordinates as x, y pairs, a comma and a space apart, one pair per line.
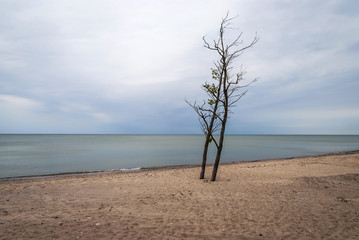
300, 198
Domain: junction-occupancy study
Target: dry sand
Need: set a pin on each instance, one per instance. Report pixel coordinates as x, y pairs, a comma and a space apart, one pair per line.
301, 198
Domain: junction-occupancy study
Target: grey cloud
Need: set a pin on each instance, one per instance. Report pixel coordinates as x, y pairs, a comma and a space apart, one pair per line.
126, 67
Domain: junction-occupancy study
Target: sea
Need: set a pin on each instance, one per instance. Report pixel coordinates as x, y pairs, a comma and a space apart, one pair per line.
47, 154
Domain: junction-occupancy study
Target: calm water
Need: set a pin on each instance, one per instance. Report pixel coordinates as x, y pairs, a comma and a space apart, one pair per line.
25, 155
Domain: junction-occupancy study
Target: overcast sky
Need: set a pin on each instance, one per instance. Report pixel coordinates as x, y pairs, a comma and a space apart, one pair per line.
127, 66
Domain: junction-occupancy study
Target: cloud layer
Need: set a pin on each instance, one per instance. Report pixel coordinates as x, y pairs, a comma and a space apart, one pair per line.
126, 66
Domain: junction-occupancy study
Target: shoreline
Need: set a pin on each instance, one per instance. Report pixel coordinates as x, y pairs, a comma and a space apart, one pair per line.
313, 197
158, 168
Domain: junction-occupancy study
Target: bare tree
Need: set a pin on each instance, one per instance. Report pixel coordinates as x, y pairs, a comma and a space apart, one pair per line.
213, 114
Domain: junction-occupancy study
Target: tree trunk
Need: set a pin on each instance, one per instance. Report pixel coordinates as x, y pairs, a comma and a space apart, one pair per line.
216, 163
204, 158
218, 155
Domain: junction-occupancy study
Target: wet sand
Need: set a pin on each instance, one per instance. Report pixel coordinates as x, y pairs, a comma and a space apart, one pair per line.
299, 198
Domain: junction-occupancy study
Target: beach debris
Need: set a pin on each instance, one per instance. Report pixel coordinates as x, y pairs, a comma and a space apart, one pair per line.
97, 224
342, 199
3, 212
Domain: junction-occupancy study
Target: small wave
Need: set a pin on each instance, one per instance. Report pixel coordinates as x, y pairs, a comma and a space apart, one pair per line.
130, 169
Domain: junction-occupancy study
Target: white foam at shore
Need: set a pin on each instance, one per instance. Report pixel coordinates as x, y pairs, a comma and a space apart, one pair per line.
130, 169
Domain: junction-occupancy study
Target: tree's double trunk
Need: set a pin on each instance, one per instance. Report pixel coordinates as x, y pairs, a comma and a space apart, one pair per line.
210, 129
225, 115
220, 147
207, 142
